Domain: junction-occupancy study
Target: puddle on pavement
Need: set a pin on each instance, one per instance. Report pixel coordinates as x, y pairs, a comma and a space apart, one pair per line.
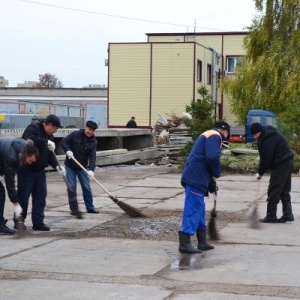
188, 261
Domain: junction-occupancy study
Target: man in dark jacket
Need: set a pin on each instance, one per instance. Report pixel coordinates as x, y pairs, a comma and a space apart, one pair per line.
198, 178
32, 178
82, 145
131, 123
14, 152
275, 155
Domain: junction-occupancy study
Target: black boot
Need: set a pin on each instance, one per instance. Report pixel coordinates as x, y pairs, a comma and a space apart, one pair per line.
202, 243
4, 230
287, 212
271, 214
185, 245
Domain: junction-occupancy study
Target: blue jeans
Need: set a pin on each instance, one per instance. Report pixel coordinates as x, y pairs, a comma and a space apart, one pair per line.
193, 218
85, 185
33, 183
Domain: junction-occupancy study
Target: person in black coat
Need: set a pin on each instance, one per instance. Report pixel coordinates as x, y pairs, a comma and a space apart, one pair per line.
82, 145
276, 156
131, 123
32, 178
14, 152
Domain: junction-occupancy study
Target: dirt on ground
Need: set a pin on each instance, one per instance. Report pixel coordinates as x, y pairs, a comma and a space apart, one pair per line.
158, 224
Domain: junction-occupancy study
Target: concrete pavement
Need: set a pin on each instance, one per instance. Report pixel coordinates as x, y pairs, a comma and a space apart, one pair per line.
245, 264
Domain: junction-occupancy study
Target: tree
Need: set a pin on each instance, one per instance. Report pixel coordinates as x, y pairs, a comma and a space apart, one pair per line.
202, 118
269, 75
49, 81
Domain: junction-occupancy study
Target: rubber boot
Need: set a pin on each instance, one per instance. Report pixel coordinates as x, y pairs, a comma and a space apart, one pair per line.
202, 243
271, 214
185, 245
287, 212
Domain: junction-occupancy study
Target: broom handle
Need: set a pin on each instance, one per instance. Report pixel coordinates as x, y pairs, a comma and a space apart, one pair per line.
215, 193
86, 171
258, 193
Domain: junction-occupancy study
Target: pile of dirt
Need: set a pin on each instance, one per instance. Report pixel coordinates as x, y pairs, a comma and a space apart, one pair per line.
158, 225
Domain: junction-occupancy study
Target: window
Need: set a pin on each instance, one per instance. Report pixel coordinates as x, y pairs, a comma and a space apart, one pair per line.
208, 74
232, 63
199, 70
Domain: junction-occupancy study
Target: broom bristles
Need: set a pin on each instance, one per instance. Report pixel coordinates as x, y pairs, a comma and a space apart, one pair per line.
254, 221
130, 210
75, 206
212, 228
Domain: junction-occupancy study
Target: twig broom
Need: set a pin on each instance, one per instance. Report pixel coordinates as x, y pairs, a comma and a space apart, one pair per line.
212, 227
130, 210
254, 219
20, 227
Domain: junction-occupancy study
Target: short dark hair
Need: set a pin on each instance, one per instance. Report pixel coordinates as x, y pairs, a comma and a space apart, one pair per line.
29, 149
54, 120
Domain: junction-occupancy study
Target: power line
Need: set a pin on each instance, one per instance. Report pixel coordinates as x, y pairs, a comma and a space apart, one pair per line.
112, 16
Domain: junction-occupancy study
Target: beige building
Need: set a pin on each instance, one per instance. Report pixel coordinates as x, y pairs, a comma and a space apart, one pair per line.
28, 84
163, 74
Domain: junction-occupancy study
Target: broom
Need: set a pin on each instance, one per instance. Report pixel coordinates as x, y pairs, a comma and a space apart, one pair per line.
71, 194
20, 227
254, 219
212, 228
130, 210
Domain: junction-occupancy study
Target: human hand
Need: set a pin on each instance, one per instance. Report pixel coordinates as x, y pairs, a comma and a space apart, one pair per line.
212, 187
51, 145
61, 170
17, 210
91, 174
70, 154
257, 176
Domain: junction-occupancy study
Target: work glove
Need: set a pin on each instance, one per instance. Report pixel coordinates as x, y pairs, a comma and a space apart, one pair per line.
61, 170
17, 210
257, 176
212, 187
70, 154
91, 174
51, 145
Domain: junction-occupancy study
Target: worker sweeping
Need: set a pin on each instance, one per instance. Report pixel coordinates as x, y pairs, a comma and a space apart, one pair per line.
275, 155
14, 152
198, 178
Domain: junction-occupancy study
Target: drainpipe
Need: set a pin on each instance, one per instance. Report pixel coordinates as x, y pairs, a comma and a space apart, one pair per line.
215, 71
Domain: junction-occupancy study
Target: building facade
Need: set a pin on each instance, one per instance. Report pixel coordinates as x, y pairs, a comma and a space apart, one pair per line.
164, 74
74, 106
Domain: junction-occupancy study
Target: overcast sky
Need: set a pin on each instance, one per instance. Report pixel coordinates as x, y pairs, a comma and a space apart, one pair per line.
70, 38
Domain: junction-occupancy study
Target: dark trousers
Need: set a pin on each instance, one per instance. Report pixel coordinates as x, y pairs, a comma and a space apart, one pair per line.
280, 187
34, 184
2, 203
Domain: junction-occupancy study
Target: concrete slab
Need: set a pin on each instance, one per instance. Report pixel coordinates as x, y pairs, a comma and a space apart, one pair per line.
245, 264
157, 182
95, 256
62, 289
223, 296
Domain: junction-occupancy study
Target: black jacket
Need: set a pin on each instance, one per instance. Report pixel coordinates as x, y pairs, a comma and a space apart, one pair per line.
273, 149
131, 124
38, 135
10, 148
84, 149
